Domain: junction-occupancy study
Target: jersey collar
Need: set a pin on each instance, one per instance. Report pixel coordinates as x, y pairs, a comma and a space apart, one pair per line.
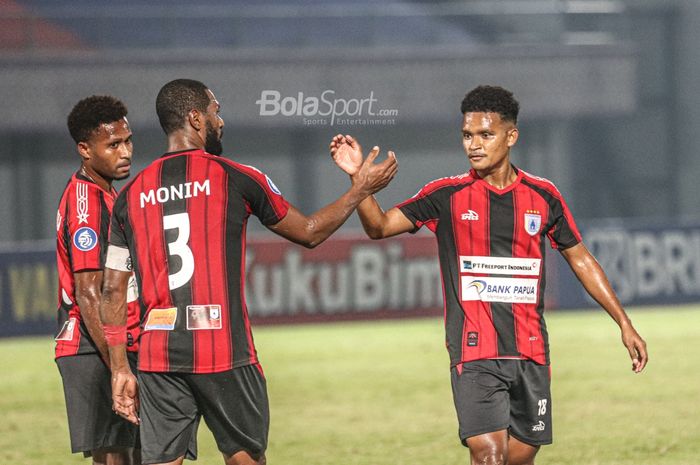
81, 177
182, 152
494, 189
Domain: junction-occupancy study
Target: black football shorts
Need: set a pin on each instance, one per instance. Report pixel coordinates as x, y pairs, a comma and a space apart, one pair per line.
234, 405
493, 395
88, 392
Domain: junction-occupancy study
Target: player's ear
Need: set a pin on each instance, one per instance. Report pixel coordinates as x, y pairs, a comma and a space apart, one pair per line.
513, 136
194, 117
84, 151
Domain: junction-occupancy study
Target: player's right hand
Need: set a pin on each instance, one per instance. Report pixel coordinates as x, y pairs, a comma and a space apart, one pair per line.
371, 177
125, 398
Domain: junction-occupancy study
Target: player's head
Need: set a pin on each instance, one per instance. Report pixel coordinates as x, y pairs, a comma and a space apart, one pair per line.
188, 105
99, 127
489, 126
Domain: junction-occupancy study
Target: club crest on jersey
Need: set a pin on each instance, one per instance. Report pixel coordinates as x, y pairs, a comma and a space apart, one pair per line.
85, 239
273, 188
533, 222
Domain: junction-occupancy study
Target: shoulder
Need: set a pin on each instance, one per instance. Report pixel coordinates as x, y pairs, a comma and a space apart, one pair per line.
458, 181
541, 184
249, 172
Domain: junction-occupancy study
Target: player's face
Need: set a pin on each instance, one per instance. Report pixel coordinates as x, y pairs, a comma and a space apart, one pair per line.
214, 125
487, 140
109, 150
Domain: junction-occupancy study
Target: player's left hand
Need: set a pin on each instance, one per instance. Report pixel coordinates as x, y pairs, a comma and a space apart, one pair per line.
346, 153
636, 346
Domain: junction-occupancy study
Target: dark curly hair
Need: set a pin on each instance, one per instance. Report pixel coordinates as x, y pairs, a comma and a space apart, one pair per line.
492, 99
90, 113
176, 99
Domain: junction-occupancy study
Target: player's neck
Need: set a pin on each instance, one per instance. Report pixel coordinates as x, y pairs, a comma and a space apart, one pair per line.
499, 177
179, 141
95, 177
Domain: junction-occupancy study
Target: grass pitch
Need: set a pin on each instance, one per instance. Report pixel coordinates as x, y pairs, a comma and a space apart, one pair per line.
378, 393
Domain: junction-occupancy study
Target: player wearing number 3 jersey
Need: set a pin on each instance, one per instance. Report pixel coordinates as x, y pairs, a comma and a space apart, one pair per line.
492, 224
181, 225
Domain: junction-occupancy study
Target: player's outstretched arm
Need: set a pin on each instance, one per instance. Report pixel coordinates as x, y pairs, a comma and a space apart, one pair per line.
347, 154
596, 283
88, 291
312, 230
113, 312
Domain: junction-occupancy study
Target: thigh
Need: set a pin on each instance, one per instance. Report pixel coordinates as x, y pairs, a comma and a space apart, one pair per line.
481, 399
91, 422
234, 405
169, 418
531, 404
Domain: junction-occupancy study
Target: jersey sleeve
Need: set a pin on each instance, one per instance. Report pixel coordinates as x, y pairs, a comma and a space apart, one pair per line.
563, 232
88, 225
263, 198
421, 209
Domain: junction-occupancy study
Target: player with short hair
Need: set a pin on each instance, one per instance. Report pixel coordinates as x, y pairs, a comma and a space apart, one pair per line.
99, 127
492, 224
181, 223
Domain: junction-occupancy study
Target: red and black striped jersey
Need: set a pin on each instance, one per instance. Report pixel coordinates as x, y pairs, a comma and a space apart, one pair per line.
82, 230
183, 220
491, 246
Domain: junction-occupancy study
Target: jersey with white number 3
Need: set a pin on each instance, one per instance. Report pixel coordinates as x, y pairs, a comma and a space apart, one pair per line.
180, 225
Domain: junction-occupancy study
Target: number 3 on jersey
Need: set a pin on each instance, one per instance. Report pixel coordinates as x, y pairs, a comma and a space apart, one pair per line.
179, 247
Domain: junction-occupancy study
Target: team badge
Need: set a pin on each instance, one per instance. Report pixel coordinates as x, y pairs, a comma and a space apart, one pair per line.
533, 221
85, 239
273, 188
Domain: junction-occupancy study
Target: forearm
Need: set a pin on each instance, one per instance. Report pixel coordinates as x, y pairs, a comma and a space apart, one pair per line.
89, 310
113, 312
321, 224
372, 217
596, 283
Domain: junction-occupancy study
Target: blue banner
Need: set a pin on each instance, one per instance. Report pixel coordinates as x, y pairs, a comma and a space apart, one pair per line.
28, 290
646, 263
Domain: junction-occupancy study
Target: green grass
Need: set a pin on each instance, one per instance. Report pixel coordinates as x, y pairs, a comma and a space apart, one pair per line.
378, 393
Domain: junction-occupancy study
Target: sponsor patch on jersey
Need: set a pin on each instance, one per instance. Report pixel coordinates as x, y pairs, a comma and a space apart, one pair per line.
85, 239
472, 339
203, 317
533, 222
58, 220
500, 265
273, 188
507, 290
66, 332
162, 319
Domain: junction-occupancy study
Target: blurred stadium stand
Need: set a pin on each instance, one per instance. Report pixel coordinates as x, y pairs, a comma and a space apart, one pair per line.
601, 85
608, 88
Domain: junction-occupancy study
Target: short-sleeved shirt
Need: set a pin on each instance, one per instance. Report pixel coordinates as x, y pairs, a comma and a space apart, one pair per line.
183, 220
82, 232
491, 245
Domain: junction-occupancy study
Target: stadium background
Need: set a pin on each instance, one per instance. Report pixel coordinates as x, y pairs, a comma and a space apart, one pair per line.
610, 101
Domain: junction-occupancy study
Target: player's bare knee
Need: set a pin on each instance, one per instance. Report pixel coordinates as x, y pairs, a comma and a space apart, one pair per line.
489, 456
